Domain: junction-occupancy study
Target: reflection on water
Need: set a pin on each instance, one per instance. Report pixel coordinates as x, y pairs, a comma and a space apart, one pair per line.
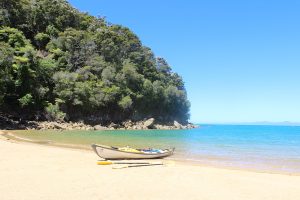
274, 148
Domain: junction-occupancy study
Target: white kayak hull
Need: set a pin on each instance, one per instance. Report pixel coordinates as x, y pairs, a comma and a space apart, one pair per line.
112, 153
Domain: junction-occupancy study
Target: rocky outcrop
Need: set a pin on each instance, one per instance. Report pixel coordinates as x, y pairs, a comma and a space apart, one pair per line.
62, 126
126, 125
151, 123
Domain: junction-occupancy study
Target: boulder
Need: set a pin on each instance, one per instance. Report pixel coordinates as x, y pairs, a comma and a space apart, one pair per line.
162, 127
99, 128
127, 124
149, 123
141, 127
191, 126
184, 127
113, 126
177, 125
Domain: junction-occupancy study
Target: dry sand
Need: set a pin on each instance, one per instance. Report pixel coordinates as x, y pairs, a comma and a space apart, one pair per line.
33, 172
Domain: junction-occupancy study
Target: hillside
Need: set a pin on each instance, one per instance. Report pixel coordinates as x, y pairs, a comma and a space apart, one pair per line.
60, 64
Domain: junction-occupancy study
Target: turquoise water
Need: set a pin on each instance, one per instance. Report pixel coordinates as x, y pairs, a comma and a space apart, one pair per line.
265, 148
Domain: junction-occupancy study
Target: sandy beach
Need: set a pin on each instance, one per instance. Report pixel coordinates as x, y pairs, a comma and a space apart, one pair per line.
33, 171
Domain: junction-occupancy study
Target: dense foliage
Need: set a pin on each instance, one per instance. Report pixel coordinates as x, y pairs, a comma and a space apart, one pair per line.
67, 65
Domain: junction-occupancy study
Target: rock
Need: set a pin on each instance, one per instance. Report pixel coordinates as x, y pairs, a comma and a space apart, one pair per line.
184, 127
141, 127
80, 125
149, 123
114, 126
157, 126
191, 126
99, 128
177, 125
161, 127
127, 124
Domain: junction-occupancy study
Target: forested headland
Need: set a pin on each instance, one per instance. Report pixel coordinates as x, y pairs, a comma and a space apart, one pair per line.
60, 64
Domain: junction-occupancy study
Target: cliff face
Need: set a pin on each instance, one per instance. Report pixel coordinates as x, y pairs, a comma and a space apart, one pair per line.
60, 64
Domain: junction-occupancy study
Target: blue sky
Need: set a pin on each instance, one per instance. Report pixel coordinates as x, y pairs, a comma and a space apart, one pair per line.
240, 60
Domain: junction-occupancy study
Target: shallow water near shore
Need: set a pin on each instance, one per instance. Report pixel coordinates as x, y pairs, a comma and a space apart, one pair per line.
264, 148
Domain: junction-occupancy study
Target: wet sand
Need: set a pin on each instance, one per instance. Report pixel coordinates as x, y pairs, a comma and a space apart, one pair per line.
35, 171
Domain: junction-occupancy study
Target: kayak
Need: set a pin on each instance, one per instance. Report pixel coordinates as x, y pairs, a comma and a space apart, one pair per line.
114, 153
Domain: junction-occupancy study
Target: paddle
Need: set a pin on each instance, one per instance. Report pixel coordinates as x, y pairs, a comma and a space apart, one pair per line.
128, 163
142, 165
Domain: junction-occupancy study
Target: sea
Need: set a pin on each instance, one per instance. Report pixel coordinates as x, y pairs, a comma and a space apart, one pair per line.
264, 148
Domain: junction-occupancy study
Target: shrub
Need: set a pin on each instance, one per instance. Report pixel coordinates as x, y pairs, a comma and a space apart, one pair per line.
125, 103
26, 100
53, 113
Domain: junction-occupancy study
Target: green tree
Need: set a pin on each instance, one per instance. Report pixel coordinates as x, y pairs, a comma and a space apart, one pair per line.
69, 64
125, 103
42, 40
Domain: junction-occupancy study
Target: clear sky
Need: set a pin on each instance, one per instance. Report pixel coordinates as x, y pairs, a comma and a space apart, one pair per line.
240, 60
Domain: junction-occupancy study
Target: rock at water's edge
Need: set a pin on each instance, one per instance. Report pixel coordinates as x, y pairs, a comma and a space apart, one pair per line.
178, 125
149, 123
99, 128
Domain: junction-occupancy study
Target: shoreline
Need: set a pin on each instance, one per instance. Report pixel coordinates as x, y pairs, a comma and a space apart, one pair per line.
146, 124
35, 171
11, 136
